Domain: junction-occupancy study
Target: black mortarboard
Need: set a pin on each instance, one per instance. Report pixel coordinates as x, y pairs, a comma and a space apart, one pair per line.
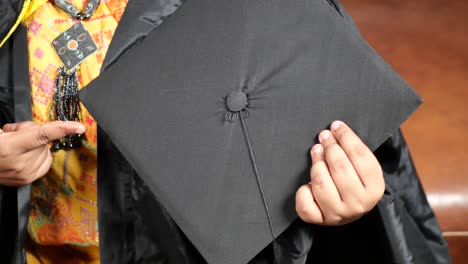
218, 107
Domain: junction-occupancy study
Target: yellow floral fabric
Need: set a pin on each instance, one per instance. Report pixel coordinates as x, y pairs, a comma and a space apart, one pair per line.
64, 202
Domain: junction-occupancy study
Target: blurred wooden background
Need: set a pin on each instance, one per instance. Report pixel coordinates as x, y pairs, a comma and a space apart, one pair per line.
426, 41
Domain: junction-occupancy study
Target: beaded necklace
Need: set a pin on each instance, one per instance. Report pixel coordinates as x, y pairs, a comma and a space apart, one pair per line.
73, 46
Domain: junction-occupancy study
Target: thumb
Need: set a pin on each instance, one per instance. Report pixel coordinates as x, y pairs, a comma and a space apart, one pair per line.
37, 136
306, 206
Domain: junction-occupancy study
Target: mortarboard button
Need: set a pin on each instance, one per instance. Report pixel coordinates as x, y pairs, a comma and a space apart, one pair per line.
236, 101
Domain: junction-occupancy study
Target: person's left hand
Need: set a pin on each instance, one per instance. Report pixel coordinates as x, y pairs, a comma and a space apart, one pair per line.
346, 179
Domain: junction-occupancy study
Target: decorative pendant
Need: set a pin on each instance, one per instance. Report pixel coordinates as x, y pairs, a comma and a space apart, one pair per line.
73, 46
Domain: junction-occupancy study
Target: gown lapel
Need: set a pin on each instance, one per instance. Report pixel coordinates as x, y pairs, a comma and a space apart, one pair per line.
22, 109
139, 19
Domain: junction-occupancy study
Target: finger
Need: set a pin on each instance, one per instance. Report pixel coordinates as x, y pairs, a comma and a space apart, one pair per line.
341, 169
326, 138
306, 207
20, 175
40, 159
10, 182
316, 153
34, 137
324, 190
17, 126
39, 169
362, 158
11, 178
15, 181
344, 176
45, 166
20, 163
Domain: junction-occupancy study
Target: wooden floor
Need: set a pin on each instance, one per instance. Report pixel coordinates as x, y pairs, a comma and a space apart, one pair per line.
426, 41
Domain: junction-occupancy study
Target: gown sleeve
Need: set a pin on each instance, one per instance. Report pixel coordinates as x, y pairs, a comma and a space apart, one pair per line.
6, 104
404, 190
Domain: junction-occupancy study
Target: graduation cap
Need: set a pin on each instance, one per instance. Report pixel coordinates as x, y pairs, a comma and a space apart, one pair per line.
218, 107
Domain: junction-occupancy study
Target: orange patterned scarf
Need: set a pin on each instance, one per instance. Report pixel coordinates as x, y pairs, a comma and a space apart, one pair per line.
64, 209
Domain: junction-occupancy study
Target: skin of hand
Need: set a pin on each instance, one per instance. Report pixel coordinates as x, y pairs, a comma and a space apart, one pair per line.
346, 179
24, 152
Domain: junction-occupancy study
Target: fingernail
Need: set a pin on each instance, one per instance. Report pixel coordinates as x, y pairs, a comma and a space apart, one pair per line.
324, 135
80, 129
335, 125
317, 149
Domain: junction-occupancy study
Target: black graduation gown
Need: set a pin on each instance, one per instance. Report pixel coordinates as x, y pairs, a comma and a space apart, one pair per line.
400, 229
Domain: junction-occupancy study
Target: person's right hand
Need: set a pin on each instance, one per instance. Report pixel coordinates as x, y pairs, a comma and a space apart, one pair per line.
24, 152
